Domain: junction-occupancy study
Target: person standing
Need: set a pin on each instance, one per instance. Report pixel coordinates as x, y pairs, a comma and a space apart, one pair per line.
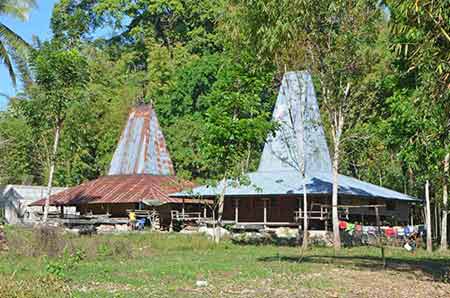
132, 219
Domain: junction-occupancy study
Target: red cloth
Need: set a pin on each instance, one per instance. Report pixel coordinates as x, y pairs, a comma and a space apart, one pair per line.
390, 232
342, 225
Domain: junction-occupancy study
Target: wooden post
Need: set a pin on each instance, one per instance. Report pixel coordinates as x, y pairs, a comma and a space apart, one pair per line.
265, 213
61, 214
182, 209
204, 211
428, 216
236, 211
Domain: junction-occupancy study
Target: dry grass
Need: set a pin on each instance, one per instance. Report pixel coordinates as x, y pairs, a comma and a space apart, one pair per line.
53, 264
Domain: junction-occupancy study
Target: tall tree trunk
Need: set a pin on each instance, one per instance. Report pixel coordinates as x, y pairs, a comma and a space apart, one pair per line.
305, 215
220, 210
428, 217
334, 200
444, 243
338, 125
52, 170
300, 137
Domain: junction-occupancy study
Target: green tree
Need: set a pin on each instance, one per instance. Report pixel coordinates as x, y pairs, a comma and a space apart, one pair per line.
60, 79
15, 150
13, 49
338, 41
421, 42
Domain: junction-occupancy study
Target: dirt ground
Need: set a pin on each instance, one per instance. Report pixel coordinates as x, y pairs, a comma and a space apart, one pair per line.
332, 283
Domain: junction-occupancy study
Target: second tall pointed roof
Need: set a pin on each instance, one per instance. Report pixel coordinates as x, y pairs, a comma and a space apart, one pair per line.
299, 142
142, 148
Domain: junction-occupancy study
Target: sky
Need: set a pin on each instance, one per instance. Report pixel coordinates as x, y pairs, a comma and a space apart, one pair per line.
38, 24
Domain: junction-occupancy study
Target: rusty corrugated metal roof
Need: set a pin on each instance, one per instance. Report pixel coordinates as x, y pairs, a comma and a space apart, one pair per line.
121, 189
142, 148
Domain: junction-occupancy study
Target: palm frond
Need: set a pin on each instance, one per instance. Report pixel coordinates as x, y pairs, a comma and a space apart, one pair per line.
11, 38
18, 9
4, 58
14, 52
20, 62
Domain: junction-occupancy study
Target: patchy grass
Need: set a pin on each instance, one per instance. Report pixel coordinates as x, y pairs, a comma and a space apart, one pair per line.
53, 264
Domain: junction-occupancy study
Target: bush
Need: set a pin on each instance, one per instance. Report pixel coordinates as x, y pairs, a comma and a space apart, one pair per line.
60, 267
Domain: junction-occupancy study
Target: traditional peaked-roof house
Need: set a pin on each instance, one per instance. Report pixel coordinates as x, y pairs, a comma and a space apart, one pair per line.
141, 174
299, 146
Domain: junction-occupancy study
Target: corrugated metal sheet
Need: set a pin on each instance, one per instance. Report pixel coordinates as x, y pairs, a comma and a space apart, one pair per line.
290, 183
142, 147
121, 189
28, 192
299, 141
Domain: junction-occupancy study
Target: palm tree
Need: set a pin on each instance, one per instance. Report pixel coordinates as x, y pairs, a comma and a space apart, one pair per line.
13, 48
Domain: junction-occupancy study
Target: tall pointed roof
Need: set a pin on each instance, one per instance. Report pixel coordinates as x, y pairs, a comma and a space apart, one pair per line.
299, 140
142, 147
299, 143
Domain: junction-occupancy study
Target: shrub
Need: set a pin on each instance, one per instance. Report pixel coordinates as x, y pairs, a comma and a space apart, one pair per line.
60, 267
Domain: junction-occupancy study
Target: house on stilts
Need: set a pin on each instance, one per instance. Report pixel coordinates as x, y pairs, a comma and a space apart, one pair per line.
141, 177
296, 156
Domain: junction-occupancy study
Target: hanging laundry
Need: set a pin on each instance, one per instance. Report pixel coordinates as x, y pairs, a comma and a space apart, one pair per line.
342, 225
358, 228
390, 232
400, 231
350, 227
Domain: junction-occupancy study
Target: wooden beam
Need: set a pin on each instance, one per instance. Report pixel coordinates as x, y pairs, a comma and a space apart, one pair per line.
265, 212
361, 206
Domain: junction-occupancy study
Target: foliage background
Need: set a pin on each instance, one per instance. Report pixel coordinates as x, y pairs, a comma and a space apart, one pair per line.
212, 69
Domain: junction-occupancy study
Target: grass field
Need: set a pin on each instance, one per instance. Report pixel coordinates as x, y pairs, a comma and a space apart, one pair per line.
49, 264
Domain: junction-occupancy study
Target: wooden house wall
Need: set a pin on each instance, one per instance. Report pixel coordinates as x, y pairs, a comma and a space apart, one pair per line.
283, 209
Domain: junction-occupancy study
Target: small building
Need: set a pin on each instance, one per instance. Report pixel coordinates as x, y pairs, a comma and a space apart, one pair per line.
141, 177
296, 160
15, 203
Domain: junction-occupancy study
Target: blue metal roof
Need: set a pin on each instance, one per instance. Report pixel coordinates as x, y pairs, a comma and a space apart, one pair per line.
298, 146
286, 183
